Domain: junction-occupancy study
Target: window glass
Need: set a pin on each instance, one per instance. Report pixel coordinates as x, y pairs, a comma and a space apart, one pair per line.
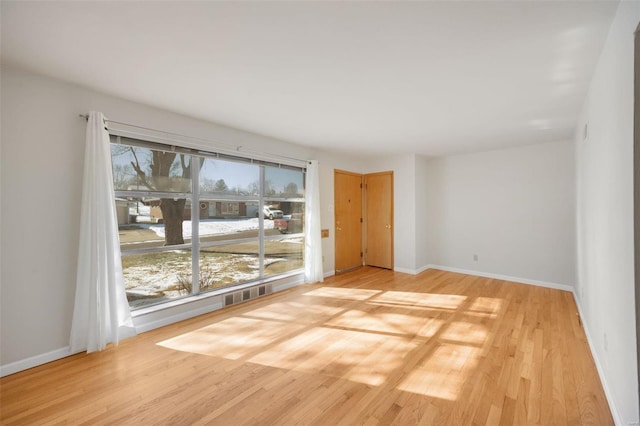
286, 253
228, 177
283, 182
283, 255
143, 169
156, 277
154, 204
229, 264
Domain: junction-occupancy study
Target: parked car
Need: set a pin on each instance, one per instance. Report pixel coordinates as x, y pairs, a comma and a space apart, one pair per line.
290, 224
271, 212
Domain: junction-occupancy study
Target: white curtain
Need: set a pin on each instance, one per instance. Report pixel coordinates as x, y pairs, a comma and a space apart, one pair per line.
312, 238
101, 313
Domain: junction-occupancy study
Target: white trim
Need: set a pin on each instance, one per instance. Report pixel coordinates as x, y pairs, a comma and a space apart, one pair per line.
34, 361
287, 284
422, 269
612, 406
329, 274
146, 321
405, 270
133, 131
155, 320
176, 303
54, 355
143, 326
411, 271
538, 283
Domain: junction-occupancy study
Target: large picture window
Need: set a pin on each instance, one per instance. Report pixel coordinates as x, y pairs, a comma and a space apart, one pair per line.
194, 222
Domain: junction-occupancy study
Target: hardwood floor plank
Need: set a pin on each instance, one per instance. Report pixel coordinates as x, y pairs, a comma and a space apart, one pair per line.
370, 346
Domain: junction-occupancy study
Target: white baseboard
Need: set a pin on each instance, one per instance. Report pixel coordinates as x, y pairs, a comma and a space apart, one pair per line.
34, 361
614, 411
411, 271
585, 326
329, 274
145, 322
422, 269
538, 283
405, 270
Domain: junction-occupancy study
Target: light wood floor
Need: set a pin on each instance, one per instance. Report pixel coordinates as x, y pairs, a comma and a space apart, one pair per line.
367, 347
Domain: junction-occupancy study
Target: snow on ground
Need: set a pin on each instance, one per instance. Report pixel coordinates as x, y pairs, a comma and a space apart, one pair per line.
157, 282
154, 281
216, 226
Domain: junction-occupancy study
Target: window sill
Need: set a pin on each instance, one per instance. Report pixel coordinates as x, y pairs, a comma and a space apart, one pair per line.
210, 294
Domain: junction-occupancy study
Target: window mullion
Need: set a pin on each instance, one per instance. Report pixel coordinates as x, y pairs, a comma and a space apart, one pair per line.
195, 225
261, 223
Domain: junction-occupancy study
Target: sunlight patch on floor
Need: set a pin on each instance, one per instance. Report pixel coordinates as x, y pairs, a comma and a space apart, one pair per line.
467, 332
422, 300
487, 305
443, 373
384, 322
343, 293
338, 353
232, 338
294, 311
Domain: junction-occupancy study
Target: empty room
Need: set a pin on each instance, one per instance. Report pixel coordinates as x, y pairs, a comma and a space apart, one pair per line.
319, 212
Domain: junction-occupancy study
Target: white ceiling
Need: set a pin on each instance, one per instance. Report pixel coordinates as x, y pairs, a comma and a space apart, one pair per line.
431, 78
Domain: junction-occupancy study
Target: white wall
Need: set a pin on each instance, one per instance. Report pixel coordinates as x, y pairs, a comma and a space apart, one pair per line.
406, 199
513, 208
42, 156
422, 205
328, 163
404, 206
605, 262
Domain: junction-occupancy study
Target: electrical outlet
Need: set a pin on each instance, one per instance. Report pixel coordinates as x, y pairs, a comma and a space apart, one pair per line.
475, 257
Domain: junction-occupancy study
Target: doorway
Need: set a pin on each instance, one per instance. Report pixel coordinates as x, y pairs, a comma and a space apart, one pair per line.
363, 220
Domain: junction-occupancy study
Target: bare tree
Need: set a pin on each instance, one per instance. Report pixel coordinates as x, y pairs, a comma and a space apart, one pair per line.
123, 175
158, 177
291, 189
253, 188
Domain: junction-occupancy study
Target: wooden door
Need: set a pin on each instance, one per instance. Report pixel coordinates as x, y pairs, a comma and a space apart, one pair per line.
348, 220
379, 219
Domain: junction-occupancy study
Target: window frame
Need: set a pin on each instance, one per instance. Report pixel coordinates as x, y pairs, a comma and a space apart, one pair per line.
195, 197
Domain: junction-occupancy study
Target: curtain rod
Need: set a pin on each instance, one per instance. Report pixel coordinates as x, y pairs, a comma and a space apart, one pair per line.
235, 148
